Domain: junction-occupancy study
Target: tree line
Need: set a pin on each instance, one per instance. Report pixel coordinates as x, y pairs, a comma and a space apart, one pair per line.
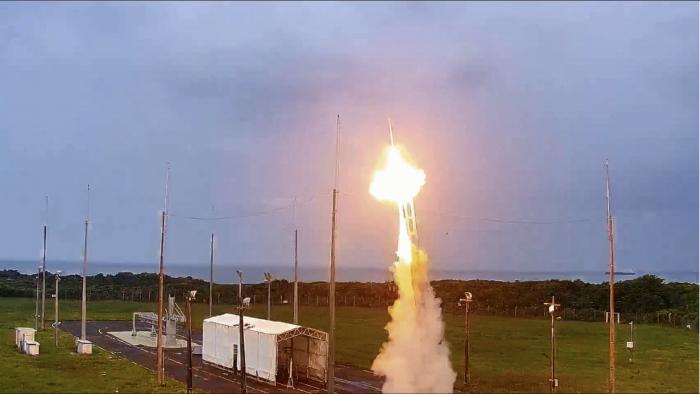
647, 299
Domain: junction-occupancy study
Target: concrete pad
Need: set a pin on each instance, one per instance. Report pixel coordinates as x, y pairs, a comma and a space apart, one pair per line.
144, 338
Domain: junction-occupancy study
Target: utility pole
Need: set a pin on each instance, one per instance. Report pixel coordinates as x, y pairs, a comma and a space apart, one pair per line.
242, 305
296, 279
611, 281
57, 276
36, 307
43, 270
160, 362
553, 382
268, 279
190, 298
466, 301
83, 306
331, 282
211, 273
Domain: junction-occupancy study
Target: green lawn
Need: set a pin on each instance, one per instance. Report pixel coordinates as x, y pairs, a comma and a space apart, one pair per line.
508, 354
61, 369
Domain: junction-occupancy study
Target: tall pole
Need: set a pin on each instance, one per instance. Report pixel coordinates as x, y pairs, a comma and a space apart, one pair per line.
55, 311
296, 279
241, 332
331, 303
83, 306
631, 341
160, 364
466, 301
211, 273
43, 269
36, 307
159, 339
331, 281
552, 350
611, 281
240, 286
190, 297
268, 279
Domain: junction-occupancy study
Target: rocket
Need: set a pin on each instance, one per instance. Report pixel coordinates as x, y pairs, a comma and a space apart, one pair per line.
418, 267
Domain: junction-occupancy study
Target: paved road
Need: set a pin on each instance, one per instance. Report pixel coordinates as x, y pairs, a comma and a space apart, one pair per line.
207, 377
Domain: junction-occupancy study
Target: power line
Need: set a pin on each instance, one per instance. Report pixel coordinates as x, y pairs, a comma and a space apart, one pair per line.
508, 221
491, 219
247, 215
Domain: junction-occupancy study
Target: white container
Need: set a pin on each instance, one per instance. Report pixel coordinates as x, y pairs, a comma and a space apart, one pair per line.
84, 347
31, 348
266, 342
23, 334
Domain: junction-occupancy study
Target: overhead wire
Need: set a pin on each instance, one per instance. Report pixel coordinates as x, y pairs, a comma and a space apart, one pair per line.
494, 219
295, 202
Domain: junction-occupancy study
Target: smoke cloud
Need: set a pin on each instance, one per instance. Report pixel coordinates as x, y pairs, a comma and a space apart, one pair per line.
415, 359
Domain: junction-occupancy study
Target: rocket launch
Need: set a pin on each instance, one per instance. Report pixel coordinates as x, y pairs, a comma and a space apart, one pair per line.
416, 358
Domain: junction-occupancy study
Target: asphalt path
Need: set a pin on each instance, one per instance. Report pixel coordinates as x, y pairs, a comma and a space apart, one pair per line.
209, 378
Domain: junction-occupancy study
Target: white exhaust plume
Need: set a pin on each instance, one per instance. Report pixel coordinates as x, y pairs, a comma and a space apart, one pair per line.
415, 359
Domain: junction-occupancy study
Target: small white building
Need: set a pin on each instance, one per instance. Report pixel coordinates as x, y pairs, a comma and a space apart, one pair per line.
268, 348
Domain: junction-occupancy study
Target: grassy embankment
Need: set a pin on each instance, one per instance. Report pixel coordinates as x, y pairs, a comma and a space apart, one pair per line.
508, 354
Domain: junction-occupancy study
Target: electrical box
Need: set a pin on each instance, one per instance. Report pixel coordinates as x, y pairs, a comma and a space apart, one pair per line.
23, 334
556, 382
84, 347
31, 348
630, 345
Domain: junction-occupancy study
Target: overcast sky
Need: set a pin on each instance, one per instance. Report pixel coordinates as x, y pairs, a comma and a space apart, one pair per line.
510, 108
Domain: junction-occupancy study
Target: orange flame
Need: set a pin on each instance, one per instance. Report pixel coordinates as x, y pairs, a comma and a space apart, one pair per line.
398, 182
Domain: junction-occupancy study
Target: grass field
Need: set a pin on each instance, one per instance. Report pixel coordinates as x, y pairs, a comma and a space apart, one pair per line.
61, 369
508, 354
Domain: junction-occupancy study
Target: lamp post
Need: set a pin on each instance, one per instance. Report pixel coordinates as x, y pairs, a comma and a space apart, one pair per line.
630, 343
553, 382
268, 280
55, 313
190, 298
466, 301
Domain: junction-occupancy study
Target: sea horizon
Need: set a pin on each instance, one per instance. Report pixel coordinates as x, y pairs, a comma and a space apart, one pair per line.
226, 273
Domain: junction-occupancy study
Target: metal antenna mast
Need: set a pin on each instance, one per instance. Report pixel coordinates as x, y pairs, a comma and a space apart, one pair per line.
611, 279
211, 273
43, 267
83, 306
296, 278
160, 364
331, 287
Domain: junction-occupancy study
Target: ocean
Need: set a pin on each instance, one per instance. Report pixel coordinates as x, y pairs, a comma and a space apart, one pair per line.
227, 273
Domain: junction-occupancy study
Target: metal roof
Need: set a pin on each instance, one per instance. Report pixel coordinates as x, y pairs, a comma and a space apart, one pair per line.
251, 323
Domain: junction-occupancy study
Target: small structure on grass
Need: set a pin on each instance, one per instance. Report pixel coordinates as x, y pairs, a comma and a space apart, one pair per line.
24, 340
275, 351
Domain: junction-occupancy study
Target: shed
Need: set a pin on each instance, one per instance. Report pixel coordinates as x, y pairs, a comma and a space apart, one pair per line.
268, 348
